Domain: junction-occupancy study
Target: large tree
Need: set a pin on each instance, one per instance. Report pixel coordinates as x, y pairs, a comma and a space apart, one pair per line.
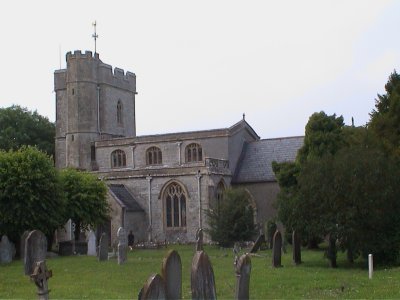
30, 193
233, 219
86, 199
19, 126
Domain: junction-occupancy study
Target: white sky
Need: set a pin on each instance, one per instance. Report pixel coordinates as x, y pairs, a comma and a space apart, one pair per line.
201, 65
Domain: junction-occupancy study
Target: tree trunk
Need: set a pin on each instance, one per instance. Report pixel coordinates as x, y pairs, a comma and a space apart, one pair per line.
77, 231
332, 251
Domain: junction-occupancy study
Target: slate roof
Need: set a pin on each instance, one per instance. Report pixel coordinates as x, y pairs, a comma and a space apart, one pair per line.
125, 197
257, 157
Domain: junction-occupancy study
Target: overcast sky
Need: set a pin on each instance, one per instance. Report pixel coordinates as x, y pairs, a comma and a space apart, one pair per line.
201, 65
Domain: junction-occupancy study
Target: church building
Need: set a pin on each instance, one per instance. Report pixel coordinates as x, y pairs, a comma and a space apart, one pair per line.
159, 186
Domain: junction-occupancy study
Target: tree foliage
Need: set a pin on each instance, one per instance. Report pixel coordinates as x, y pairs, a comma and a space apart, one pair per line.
19, 126
86, 199
30, 193
233, 220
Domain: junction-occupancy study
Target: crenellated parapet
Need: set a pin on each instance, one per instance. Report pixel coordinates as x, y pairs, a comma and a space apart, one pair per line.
87, 67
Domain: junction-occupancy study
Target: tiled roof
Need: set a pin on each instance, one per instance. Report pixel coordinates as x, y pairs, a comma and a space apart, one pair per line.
125, 197
257, 157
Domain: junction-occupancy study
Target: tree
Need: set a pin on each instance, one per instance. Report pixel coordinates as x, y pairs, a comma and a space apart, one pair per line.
30, 193
86, 199
19, 126
233, 220
385, 118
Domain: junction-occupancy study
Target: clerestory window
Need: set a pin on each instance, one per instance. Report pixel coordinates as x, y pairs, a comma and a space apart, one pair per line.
193, 153
118, 159
153, 156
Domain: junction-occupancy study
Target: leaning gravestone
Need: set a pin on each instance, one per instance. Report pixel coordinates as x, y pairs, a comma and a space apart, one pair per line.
171, 272
122, 246
35, 250
103, 247
202, 277
91, 245
6, 250
153, 289
296, 243
257, 244
243, 270
277, 250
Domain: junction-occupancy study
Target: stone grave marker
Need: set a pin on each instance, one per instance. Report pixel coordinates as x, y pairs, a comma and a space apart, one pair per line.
91, 244
236, 250
153, 289
122, 246
103, 247
202, 277
171, 273
35, 250
296, 243
277, 250
199, 240
257, 244
40, 277
243, 270
6, 250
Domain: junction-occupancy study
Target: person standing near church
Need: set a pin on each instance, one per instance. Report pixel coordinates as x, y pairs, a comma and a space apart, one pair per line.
131, 240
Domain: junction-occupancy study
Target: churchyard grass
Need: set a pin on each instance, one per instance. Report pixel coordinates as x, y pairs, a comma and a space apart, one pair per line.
83, 277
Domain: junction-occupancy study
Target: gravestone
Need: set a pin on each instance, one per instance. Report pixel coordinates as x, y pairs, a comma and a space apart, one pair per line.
202, 277
199, 240
171, 273
296, 243
35, 250
257, 244
40, 277
22, 244
103, 247
153, 289
122, 246
277, 250
91, 245
236, 249
6, 250
243, 270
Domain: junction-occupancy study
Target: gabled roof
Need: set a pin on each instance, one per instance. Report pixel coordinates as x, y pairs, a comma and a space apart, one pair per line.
257, 157
122, 195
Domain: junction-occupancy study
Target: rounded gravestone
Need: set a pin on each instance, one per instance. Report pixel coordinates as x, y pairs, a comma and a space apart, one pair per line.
6, 250
35, 250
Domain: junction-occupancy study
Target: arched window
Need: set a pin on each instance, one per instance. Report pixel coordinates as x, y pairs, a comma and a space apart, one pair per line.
119, 112
118, 159
153, 156
193, 153
175, 206
220, 194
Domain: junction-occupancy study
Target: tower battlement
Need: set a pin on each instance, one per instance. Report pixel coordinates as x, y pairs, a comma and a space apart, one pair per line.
86, 66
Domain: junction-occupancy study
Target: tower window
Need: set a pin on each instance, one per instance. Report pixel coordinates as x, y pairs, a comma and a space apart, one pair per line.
118, 159
153, 156
119, 113
193, 153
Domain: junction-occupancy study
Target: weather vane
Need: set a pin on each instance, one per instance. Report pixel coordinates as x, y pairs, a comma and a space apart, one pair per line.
94, 35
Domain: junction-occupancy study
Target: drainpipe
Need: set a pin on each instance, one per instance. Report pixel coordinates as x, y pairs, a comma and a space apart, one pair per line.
98, 109
198, 177
149, 203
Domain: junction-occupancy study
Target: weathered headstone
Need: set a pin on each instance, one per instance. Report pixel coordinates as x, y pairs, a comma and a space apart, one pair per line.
6, 250
171, 273
199, 240
91, 244
103, 247
122, 246
236, 249
153, 289
243, 270
296, 244
40, 276
257, 244
202, 277
277, 250
35, 250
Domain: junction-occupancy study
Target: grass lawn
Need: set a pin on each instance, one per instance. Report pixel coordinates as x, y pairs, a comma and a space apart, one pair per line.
83, 277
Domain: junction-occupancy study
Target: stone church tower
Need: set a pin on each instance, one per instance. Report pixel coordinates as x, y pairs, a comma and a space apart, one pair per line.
93, 103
